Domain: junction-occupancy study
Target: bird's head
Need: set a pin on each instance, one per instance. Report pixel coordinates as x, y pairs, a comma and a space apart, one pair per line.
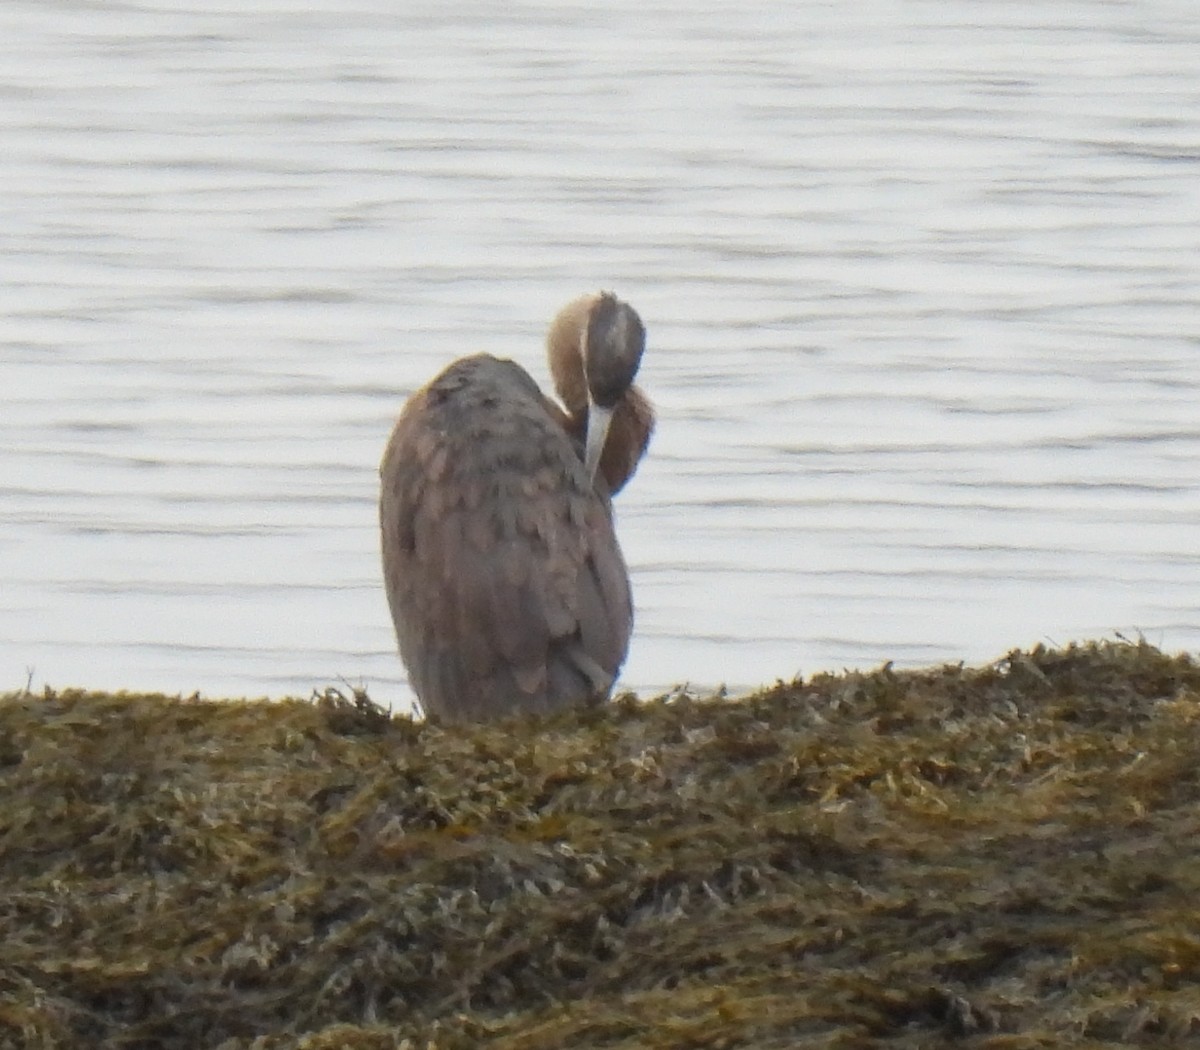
611, 346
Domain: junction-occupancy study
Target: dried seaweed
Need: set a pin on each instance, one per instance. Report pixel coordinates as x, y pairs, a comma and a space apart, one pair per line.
1003, 857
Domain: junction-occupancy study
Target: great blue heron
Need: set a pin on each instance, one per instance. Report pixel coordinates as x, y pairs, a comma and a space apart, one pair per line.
503, 573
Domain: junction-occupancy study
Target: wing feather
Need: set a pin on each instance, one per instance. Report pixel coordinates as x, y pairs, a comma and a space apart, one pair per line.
503, 573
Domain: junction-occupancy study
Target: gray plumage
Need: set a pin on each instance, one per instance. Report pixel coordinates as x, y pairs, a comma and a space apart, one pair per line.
503, 573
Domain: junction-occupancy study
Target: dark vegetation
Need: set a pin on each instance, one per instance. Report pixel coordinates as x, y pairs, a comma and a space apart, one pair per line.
1005, 857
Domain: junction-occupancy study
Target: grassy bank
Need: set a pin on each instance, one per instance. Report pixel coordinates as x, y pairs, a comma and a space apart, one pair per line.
1002, 857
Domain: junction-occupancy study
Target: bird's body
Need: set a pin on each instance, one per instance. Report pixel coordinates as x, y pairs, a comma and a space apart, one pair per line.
503, 573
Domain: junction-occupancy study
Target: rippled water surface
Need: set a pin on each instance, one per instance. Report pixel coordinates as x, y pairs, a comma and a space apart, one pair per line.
922, 282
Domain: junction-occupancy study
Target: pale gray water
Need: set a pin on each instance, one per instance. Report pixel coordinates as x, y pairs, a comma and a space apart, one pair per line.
921, 279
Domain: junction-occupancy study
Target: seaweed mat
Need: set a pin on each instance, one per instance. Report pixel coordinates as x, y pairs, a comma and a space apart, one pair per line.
1002, 857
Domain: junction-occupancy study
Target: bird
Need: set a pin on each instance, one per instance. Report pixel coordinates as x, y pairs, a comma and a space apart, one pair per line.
504, 577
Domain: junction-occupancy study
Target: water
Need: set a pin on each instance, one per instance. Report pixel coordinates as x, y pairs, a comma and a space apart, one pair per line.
921, 280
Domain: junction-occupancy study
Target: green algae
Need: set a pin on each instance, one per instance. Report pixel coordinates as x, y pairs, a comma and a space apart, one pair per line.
1003, 857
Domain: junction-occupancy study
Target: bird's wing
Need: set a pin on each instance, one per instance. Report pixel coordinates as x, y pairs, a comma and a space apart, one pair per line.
505, 578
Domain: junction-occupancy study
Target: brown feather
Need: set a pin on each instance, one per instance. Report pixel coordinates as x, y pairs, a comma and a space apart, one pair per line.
503, 572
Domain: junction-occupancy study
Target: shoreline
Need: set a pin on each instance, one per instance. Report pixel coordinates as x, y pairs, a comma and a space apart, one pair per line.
997, 856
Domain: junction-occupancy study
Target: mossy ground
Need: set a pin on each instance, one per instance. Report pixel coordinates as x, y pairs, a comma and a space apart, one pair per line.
1004, 857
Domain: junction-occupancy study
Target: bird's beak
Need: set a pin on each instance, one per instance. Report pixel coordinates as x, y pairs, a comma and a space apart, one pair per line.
599, 420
